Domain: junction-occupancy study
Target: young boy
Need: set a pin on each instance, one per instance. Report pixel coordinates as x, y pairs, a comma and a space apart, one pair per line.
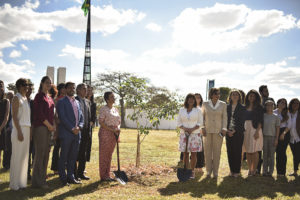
270, 132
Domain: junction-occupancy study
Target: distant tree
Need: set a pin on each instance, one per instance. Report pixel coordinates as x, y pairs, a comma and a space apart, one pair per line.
224, 92
158, 95
12, 86
116, 82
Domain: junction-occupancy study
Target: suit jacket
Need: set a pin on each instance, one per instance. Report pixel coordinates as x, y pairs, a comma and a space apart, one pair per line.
86, 114
215, 119
238, 117
298, 123
67, 118
93, 112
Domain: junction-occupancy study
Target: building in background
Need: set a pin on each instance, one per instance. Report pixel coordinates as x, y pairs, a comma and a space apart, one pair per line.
50, 72
61, 75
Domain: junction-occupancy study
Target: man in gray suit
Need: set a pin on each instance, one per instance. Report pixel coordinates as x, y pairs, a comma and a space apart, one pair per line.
81, 91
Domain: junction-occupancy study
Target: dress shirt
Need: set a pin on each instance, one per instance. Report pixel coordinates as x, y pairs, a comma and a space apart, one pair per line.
282, 124
74, 106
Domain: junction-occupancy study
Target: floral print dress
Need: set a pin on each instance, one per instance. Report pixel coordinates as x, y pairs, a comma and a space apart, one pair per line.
107, 141
190, 120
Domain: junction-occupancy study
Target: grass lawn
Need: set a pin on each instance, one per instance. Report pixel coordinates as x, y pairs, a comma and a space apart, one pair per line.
156, 178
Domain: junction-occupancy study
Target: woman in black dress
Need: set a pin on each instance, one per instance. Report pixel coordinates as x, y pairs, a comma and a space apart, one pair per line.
4, 114
235, 133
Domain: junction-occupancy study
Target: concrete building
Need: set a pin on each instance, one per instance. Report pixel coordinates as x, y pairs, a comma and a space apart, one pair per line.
61, 75
50, 72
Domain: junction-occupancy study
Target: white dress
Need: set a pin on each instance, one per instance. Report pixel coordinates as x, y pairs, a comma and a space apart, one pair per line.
190, 120
20, 150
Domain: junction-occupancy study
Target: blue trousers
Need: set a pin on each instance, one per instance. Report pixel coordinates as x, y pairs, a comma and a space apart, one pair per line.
68, 157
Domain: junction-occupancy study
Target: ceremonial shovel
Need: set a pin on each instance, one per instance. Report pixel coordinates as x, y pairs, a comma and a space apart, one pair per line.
184, 174
120, 175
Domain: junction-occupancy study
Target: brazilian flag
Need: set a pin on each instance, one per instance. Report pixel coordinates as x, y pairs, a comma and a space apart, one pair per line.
85, 7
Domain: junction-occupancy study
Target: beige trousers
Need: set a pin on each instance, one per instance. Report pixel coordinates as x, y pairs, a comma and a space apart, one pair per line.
212, 145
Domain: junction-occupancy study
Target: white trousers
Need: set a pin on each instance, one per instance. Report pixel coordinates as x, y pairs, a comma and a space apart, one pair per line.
19, 159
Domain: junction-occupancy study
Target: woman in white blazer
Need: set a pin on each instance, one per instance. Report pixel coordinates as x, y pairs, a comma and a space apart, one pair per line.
189, 121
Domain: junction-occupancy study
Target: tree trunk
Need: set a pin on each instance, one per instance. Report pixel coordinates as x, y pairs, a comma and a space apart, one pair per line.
138, 151
123, 125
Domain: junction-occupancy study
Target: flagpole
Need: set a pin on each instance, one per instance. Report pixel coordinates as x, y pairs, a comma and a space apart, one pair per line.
87, 75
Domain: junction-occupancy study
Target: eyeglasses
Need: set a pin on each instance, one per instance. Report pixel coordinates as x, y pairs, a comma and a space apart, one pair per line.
24, 84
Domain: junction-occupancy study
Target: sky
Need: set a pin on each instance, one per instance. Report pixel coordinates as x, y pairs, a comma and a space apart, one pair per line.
175, 44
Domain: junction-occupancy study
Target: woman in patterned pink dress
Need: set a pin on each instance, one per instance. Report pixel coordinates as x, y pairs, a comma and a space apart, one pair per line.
110, 121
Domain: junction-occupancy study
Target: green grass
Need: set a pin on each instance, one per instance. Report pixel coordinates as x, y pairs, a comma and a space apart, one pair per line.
156, 178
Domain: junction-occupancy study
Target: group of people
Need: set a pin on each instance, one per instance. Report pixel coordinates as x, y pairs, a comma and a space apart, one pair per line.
55, 117
252, 123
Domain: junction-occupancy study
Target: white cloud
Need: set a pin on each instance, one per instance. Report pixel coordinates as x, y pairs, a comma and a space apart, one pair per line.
226, 27
162, 53
153, 27
24, 23
163, 71
106, 20
292, 58
104, 57
79, 1
24, 70
281, 74
30, 4
15, 54
27, 63
24, 47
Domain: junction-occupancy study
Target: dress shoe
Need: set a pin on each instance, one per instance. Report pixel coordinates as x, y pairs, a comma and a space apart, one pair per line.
83, 177
65, 183
73, 181
293, 174
78, 179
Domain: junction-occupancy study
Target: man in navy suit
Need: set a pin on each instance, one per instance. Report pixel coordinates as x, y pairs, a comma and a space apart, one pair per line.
71, 122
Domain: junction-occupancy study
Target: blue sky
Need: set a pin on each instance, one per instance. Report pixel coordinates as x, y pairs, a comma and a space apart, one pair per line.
176, 44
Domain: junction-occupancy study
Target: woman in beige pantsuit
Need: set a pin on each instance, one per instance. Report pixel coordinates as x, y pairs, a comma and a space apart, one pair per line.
214, 129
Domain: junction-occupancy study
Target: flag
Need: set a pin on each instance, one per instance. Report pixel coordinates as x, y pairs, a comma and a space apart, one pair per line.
85, 7
211, 84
